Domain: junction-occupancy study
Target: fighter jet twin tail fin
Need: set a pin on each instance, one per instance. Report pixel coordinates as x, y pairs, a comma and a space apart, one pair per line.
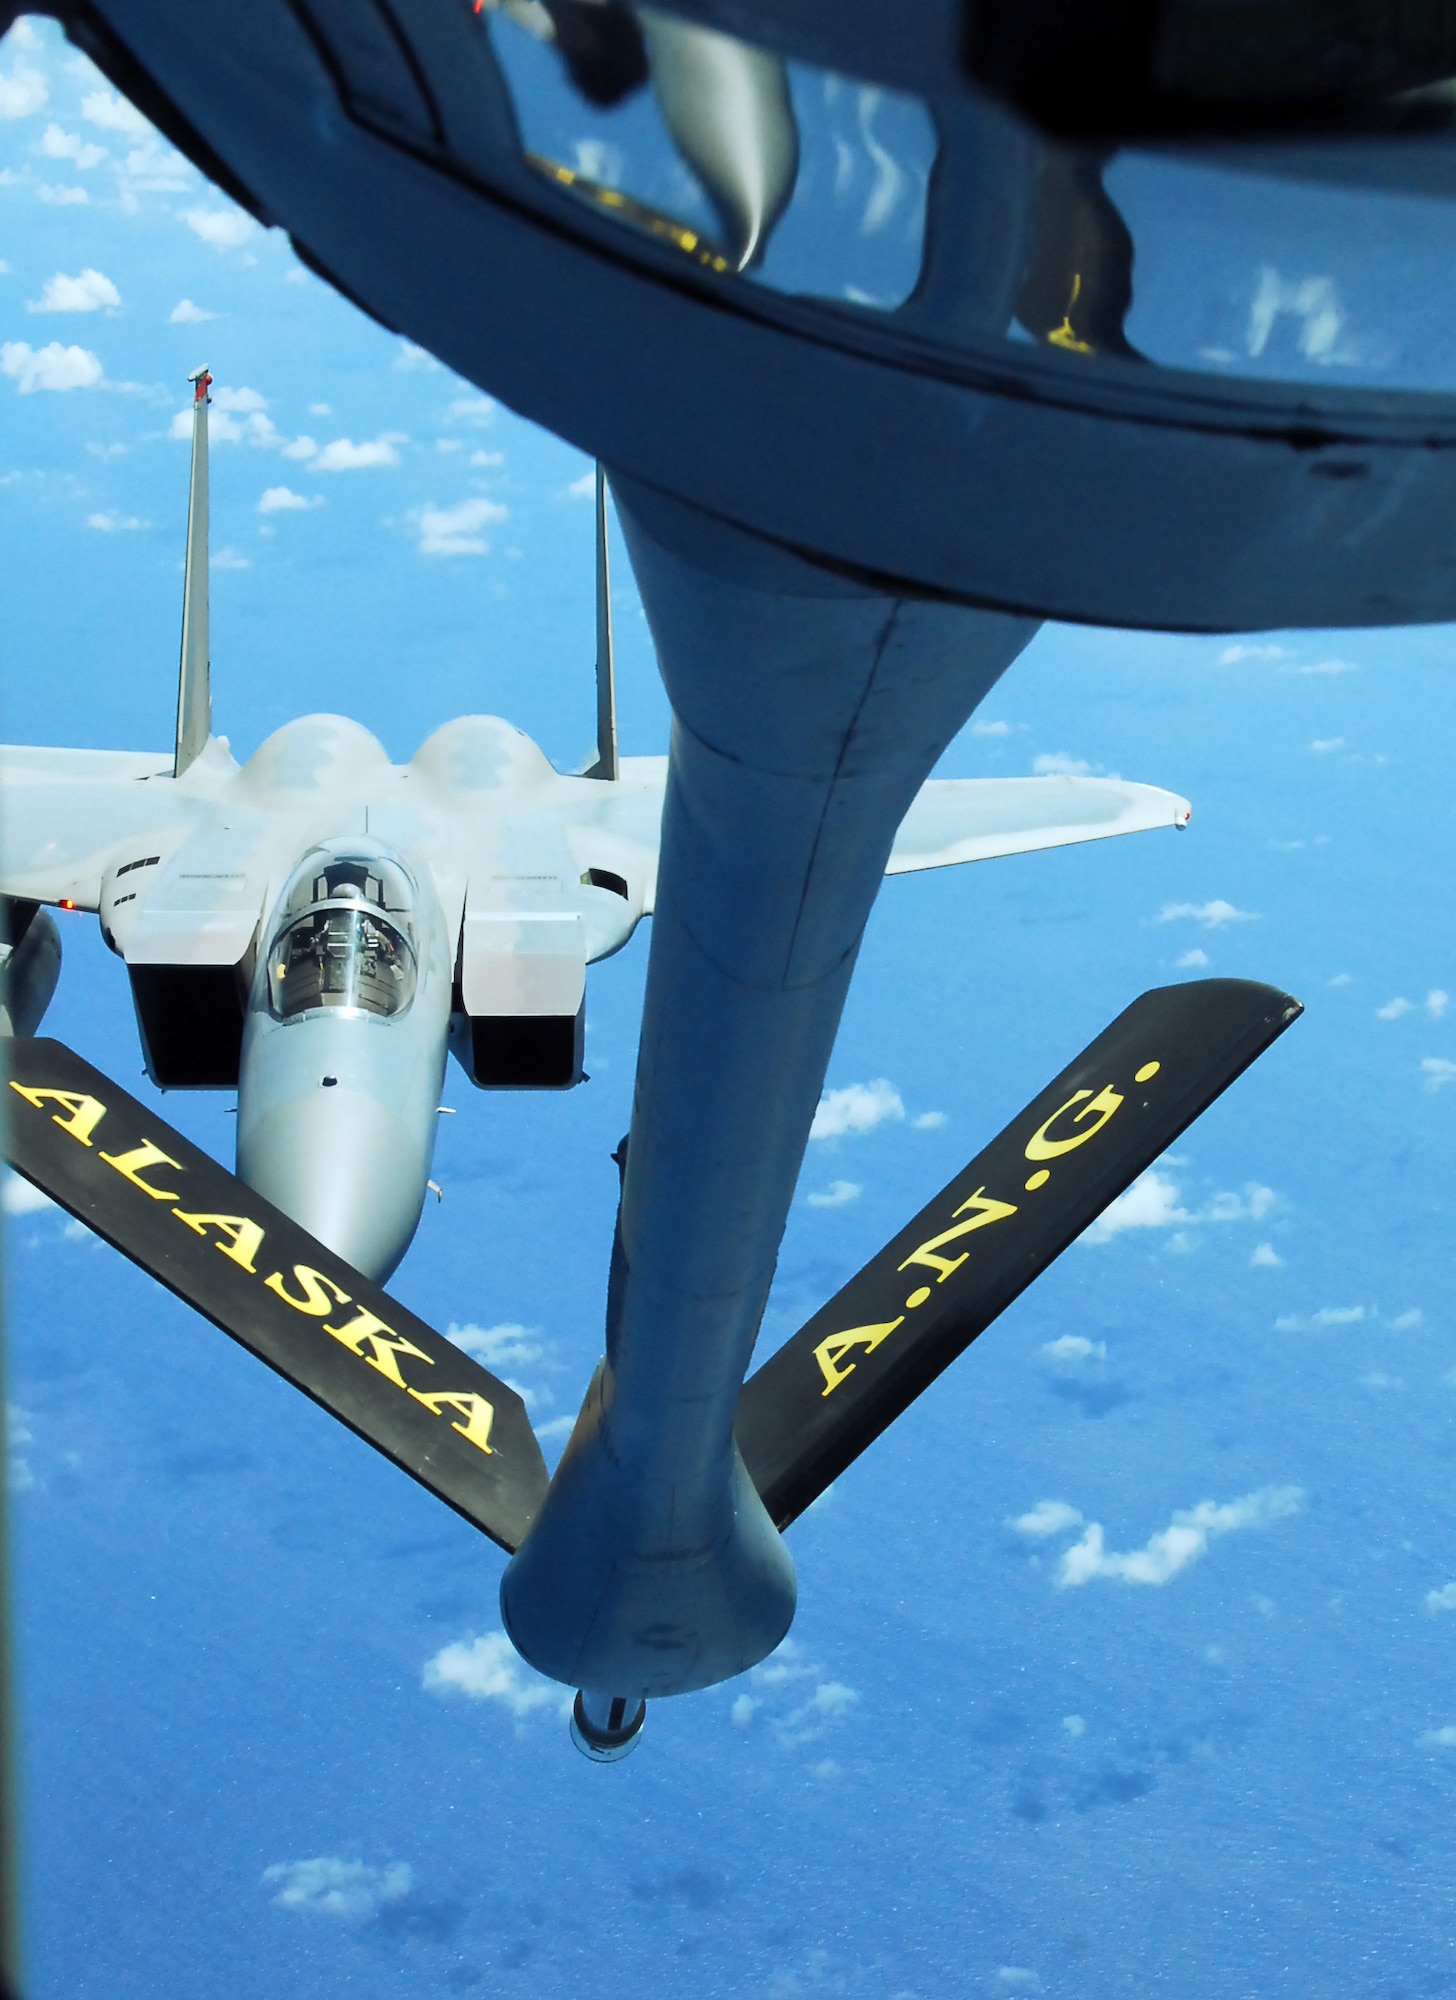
803, 1417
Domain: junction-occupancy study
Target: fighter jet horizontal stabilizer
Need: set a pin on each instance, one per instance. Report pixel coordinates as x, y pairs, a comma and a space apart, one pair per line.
842, 1379
364, 1357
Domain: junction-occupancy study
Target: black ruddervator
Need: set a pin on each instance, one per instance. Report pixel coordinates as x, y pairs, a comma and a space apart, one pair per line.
804, 1416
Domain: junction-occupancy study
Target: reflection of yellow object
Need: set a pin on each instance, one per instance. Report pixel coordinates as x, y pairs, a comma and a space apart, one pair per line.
1065, 335
623, 208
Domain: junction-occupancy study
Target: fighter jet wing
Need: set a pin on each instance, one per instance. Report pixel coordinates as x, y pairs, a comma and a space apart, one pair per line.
67, 812
120, 1169
864, 1358
977, 819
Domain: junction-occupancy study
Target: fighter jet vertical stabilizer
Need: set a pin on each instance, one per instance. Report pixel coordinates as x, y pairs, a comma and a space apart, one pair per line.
606, 765
194, 689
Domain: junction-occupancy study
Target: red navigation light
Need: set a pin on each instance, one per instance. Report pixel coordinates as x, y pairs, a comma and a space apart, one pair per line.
67, 904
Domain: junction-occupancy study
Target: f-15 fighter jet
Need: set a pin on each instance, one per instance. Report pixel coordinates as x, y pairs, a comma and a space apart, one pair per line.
319, 928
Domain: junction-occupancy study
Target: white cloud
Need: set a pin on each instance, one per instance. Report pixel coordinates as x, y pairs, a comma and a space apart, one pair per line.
328, 1887
283, 500
1150, 1203
1057, 764
411, 357
343, 455
836, 1195
505, 1346
320, 409
475, 410
1438, 1739
1070, 1349
1074, 1726
1251, 1206
488, 1669
1232, 655
62, 197
583, 488
1182, 1542
57, 144
1265, 1257
223, 228
1407, 1322
1438, 1071
112, 113
116, 524
1326, 667
1047, 1517
928, 1121
1437, 1001
990, 729
1326, 1316
49, 367
19, 1477
859, 1107
1212, 915
22, 1197
1443, 1599
1343, 979
449, 444
487, 458
22, 93
241, 401
230, 559
153, 168
87, 292
1193, 958
254, 426
1323, 746
1392, 1010
1018, 1979
741, 1713
184, 313
300, 447
455, 531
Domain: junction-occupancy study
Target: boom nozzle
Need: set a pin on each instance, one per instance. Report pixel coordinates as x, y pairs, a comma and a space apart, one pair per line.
606, 1727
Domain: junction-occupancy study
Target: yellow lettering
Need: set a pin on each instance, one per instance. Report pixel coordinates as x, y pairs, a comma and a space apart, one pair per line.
244, 1236
134, 1164
1040, 1147
830, 1353
383, 1344
477, 1412
315, 1288
86, 1113
987, 1210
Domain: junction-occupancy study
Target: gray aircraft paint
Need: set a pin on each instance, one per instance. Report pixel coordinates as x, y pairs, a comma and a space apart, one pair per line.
808, 711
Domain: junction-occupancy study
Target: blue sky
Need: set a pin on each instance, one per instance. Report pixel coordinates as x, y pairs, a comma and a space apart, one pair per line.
1124, 1664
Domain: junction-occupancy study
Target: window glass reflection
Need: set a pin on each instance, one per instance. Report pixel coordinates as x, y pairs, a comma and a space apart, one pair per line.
804, 181
1306, 262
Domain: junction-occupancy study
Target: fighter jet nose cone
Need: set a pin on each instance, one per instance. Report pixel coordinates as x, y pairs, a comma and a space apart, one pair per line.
607, 1727
344, 1167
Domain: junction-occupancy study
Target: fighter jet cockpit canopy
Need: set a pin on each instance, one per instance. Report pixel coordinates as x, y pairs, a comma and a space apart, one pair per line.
344, 936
